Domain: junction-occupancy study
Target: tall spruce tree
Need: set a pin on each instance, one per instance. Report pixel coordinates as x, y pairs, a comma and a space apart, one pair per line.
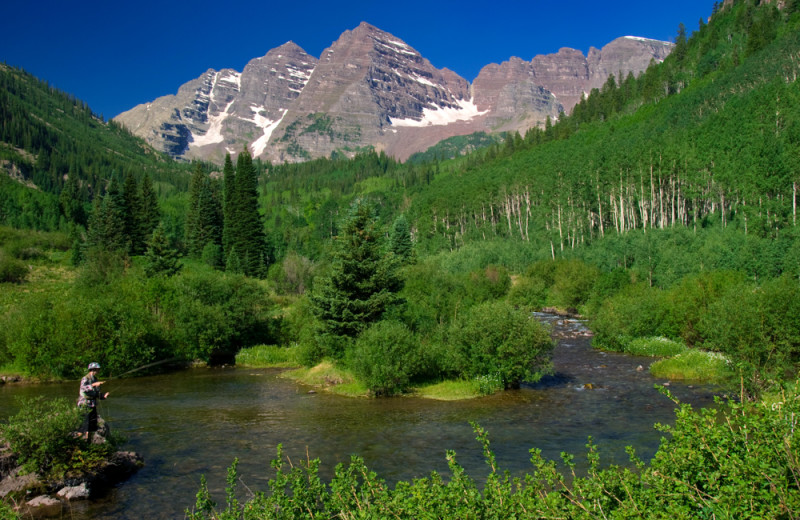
246, 230
363, 282
132, 212
161, 258
150, 214
400, 240
190, 229
107, 223
204, 214
228, 187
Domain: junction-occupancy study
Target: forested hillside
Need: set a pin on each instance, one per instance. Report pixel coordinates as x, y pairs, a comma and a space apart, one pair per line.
52, 142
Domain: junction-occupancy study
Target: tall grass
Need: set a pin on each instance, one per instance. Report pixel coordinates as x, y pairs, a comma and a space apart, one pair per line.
694, 365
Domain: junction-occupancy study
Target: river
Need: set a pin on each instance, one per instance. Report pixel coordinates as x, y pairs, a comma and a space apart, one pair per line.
197, 421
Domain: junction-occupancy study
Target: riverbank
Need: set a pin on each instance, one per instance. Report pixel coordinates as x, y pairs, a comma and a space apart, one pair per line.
45, 465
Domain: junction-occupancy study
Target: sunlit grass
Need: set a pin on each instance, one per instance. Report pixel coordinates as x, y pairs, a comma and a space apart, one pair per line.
694, 365
449, 390
654, 347
330, 378
268, 356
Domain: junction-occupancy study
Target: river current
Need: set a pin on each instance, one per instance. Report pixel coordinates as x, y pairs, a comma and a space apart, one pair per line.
195, 422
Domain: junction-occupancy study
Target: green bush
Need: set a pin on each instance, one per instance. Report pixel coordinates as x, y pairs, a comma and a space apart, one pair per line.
527, 292
42, 436
385, 357
487, 284
12, 270
636, 311
494, 338
573, 281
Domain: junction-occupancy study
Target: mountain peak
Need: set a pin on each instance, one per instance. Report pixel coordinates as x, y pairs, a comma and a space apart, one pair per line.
369, 89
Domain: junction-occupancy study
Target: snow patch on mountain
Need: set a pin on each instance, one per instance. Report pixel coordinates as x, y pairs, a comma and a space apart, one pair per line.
214, 133
267, 126
465, 111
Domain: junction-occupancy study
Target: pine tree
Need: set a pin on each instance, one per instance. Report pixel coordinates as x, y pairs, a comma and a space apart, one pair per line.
161, 257
246, 233
191, 225
70, 201
400, 240
132, 210
107, 223
149, 211
363, 282
228, 186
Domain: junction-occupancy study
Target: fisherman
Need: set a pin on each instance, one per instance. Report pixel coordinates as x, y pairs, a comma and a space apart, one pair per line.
87, 402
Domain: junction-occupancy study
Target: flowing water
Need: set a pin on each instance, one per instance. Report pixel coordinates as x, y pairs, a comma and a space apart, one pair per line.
197, 421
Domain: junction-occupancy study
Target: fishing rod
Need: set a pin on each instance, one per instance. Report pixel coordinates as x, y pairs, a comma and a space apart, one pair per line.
148, 365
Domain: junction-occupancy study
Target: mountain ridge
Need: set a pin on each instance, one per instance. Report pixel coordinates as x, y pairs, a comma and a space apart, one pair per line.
370, 89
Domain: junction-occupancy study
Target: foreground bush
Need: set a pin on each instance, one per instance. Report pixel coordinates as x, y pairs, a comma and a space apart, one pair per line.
495, 339
385, 357
42, 437
738, 461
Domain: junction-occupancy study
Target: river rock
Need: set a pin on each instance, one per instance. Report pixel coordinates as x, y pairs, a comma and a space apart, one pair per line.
80, 492
18, 484
43, 505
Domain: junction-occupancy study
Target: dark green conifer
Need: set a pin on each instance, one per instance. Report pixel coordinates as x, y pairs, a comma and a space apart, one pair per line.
132, 211
363, 282
161, 257
150, 214
400, 240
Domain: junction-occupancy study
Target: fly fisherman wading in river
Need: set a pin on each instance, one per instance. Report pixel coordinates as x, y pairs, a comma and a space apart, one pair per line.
87, 402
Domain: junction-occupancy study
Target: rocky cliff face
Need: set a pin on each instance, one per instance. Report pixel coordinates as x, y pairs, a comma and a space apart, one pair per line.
222, 111
370, 89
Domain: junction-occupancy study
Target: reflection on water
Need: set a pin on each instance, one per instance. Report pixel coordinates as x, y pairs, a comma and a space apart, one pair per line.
196, 422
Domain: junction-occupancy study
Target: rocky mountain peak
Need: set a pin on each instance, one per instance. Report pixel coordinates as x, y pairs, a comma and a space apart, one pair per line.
369, 89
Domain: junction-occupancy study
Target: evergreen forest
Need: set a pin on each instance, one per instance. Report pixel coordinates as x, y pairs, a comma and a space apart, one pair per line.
663, 209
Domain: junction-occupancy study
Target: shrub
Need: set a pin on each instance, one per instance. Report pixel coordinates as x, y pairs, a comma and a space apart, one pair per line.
572, 283
42, 436
488, 284
12, 270
527, 292
385, 357
496, 339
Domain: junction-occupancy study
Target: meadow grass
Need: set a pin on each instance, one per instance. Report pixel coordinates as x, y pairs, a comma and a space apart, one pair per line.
268, 356
654, 347
451, 390
330, 378
694, 365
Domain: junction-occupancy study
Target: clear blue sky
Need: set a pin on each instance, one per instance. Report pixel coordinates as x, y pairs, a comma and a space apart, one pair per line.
115, 55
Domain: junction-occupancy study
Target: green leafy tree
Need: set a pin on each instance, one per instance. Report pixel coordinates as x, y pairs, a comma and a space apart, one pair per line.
363, 281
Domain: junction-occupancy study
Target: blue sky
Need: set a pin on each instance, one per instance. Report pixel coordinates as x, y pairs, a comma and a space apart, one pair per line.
115, 55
